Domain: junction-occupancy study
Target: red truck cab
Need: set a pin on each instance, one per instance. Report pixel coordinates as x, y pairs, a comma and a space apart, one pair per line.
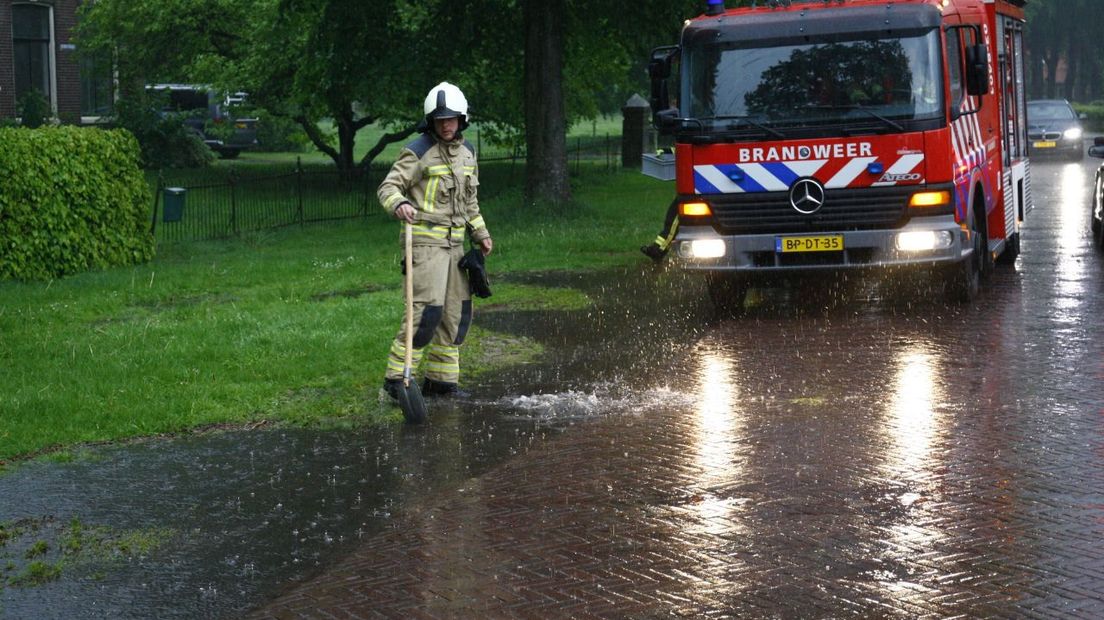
847, 135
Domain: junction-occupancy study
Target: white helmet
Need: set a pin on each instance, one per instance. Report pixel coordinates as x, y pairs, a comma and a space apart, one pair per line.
446, 101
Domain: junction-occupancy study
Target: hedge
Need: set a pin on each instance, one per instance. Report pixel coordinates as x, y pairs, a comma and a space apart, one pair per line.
72, 199
1095, 113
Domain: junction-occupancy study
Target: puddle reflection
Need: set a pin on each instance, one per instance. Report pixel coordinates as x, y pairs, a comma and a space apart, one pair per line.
912, 459
718, 417
1071, 232
913, 418
719, 420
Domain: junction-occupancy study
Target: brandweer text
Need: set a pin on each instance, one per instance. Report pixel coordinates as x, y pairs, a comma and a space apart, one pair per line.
817, 151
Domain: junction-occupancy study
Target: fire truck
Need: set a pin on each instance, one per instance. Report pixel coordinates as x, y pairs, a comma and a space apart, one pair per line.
840, 135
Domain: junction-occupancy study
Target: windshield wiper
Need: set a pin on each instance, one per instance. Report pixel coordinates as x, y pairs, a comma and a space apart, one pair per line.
888, 121
865, 110
749, 121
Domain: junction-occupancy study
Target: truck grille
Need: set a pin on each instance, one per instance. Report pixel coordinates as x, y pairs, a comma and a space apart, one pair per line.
843, 209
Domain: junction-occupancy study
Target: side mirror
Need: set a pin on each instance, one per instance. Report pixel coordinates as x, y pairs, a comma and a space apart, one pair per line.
977, 70
659, 70
1082, 116
1096, 151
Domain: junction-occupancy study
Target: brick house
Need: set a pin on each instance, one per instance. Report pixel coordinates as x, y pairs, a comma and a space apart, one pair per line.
37, 52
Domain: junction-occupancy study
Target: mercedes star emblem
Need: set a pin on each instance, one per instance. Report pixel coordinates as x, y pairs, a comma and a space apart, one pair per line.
807, 196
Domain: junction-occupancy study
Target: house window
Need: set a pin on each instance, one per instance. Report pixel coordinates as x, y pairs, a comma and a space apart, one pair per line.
97, 85
32, 43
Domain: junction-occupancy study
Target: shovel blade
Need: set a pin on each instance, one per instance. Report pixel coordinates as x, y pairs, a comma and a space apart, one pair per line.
412, 404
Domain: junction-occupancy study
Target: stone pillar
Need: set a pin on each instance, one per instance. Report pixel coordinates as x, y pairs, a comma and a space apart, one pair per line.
634, 131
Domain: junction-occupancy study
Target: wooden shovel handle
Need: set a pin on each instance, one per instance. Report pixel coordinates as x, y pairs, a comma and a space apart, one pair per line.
409, 262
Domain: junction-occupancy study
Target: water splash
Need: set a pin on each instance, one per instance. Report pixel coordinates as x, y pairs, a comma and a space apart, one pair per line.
600, 400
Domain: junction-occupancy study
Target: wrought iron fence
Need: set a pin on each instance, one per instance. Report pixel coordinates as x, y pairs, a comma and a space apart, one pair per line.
242, 203
214, 204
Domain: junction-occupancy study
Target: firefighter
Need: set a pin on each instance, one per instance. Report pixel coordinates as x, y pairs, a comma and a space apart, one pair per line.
657, 249
433, 187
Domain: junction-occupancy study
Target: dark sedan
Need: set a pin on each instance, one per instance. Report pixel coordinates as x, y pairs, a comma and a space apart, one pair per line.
1054, 127
1096, 215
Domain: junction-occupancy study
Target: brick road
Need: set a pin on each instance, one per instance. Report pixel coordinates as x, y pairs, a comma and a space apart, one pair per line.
886, 462
810, 505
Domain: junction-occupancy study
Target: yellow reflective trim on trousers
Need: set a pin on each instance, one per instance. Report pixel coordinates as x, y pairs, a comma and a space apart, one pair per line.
396, 358
399, 350
666, 243
444, 350
445, 369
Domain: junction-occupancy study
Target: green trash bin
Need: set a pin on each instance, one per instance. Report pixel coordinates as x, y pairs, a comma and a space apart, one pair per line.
173, 210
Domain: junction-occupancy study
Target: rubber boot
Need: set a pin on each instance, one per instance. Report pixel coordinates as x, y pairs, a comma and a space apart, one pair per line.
392, 387
654, 252
443, 389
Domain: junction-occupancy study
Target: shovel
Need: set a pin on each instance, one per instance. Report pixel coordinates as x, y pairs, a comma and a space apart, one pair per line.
410, 397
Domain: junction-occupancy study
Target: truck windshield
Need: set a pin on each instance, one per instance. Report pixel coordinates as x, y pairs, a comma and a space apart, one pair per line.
865, 79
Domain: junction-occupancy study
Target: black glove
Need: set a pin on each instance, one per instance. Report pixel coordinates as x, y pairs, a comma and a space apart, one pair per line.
475, 264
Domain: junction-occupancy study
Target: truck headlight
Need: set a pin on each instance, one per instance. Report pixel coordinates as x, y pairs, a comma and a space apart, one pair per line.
702, 248
923, 240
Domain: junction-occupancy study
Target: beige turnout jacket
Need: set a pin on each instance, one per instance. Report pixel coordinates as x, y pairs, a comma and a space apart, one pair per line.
441, 181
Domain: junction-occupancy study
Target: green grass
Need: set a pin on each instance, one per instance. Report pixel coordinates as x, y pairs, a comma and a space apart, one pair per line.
291, 325
40, 550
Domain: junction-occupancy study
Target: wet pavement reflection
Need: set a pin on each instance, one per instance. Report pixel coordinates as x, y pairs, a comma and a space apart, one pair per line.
878, 457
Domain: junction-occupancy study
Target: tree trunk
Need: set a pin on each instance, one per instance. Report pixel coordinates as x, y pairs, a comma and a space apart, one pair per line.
1052, 74
346, 141
1074, 69
545, 120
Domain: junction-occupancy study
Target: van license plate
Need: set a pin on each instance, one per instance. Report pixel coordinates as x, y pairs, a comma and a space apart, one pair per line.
819, 243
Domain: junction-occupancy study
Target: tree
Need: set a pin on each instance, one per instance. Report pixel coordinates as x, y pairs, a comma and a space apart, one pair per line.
545, 118
1061, 33
370, 62
354, 62
580, 58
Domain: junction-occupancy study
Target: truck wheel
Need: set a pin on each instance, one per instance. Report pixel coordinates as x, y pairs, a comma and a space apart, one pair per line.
1011, 250
727, 293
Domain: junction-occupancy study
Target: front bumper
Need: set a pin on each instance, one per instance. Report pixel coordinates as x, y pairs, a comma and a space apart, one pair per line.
1040, 145
862, 249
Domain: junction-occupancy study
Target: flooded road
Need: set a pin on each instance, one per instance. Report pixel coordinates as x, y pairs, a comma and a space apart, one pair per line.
878, 458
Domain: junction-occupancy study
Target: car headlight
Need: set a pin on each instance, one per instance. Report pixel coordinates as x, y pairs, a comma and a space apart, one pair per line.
1073, 133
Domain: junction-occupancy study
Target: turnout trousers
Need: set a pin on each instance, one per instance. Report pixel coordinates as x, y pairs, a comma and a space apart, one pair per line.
442, 315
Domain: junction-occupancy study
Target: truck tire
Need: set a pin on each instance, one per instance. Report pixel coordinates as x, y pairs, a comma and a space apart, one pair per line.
1011, 250
727, 293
